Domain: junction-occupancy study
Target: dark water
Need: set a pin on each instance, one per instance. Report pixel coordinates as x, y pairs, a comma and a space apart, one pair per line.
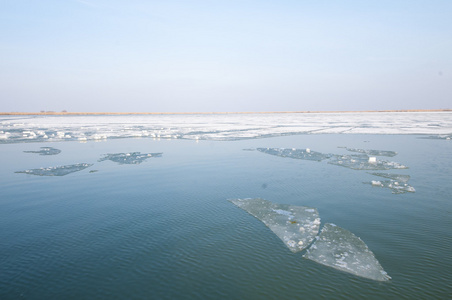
163, 229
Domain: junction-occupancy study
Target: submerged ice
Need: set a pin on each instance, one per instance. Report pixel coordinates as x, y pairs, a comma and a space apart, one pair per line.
340, 249
46, 151
57, 171
306, 154
129, 158
296, 226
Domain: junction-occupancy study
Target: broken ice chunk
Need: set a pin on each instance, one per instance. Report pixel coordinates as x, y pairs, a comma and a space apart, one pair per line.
373, 152
296, 226
306, 154
363, 162
57, 171
398, 183
129, 158
397, 177
340, 249
46, 151
395, 186
440, 137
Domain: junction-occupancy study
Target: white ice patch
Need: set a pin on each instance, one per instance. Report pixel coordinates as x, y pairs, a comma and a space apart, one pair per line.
220, 126
296, 226
340, 249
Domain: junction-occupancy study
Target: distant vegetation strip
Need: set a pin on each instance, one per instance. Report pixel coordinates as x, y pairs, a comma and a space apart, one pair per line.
65, 113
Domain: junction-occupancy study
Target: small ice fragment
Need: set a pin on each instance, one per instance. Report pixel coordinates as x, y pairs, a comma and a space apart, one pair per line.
398, 177
306, 154
362, 162
373, 152
296, 226
372, 159
57, 171
398, 183
342, 250
46, 151
129, 158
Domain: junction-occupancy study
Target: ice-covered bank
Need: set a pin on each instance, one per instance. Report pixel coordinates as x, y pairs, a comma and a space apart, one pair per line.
15, 129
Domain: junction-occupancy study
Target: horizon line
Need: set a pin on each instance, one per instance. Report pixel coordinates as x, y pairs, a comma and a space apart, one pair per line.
224, 113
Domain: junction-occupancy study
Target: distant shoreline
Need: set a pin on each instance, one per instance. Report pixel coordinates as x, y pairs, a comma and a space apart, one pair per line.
51, 113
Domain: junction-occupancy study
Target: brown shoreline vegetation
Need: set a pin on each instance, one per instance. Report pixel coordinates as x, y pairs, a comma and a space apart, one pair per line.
65, 113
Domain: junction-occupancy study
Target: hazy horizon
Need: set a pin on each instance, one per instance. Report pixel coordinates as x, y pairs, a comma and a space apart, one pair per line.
236, 56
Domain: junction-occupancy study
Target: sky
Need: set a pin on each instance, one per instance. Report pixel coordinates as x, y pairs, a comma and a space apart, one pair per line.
234, 55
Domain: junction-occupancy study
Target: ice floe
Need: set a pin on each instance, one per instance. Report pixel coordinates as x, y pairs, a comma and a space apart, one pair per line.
57, 171
397, 183
364, 162
354, 161
46, 151
373, 152
296, 226
440, 137
129, 158
306, 154
342, 250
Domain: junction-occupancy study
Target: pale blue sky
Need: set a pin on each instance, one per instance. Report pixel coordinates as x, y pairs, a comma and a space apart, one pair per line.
248, 55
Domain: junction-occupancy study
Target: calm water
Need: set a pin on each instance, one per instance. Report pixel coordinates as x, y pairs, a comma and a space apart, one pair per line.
164, 229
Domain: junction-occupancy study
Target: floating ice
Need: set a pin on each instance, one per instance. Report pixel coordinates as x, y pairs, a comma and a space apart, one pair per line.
340, 249
46, 151
373, 152
364, 162
440, 137
397, 183
57, 171
397, 177
129, 158
395, 186
296, 226
307, 154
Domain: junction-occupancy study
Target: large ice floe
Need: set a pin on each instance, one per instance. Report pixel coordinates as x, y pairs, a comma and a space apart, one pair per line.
46, 151
306, 154
354, 161
129, 158
298, 227
57, 171
342, 250
397, 183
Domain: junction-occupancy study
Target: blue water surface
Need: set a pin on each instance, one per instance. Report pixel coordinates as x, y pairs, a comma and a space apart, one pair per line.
163, 229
